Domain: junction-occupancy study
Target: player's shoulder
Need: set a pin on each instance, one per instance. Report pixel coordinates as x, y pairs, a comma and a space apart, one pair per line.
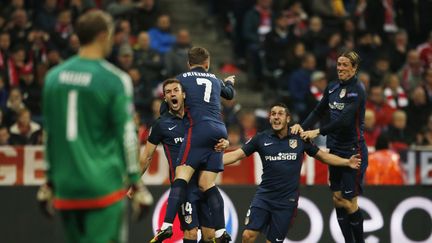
117, 78
54, 72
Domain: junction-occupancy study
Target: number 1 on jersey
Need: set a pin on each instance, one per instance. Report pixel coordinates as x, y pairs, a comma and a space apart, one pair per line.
208, 87
72, 116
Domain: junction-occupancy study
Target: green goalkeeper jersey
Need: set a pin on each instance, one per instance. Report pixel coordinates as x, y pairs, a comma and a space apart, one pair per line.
91, 144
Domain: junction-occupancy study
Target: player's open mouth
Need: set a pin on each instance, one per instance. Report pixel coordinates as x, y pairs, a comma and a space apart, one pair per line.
174, 102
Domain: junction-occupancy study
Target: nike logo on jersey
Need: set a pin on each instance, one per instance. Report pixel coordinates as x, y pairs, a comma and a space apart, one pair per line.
267, 144
348, 191
331, 91
171, 128
279, 240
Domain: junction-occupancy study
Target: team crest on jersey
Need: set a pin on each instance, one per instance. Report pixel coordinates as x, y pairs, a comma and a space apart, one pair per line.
293, 143
342, 93
188, 219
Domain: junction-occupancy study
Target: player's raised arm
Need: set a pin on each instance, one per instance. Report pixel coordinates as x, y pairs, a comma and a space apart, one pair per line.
331, 159
227, 90
232, 157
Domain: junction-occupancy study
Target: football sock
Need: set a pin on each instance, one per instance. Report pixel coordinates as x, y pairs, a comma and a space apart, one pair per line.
176, 197
356, 223
342, 218
189, 241
216, 205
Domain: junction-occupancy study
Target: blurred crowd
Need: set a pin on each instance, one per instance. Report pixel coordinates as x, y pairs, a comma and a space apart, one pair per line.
288, 48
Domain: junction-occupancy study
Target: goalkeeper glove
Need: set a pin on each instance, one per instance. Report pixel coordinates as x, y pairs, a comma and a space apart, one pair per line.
45, 198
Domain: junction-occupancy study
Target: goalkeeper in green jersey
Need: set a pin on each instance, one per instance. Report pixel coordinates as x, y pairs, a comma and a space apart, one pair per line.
91, 144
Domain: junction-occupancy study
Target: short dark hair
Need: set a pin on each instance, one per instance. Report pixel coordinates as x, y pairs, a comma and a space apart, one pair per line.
353, 57
91, 24
171, 81
280, 105
198, 55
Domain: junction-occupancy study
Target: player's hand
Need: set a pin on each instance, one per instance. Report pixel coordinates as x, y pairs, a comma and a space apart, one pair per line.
221, 145
230, 79
296, 129
355, 161
45, 198
309, 135
141, 200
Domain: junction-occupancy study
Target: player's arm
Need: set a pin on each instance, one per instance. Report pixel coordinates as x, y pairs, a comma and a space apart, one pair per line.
146, 156
318, 112
331, 159
227, 88
124, 127
234, 156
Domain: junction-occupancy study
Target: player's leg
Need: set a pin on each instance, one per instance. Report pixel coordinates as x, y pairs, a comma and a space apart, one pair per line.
72, 224
339, 204
188, 218
280, 221
257, 219
205, 220
214, 200
107, 225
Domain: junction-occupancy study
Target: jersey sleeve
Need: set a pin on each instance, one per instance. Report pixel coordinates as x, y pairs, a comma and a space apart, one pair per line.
155, 136
121, 114
318, 112
311, 149
251, 146
227, 90
46, 93
348, 114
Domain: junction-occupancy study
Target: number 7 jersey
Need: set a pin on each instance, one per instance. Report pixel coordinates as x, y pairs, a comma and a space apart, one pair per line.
91, 145
203, 91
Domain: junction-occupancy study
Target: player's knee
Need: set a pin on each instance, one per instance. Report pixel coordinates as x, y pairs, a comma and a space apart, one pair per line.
191, 234
338, 201
249, 236
205, 185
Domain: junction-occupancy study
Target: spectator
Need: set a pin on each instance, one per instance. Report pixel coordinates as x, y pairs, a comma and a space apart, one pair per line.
412, 71
32, 94
142, 94
398, 50
364, 78
315, 37
368, 46
63, 29
125, 57
318, 84
176, 59
297, 18
371, 132
397, 132
46, 16
4, 54
125, 26
377, 103
148, 60
248, 124
380, 71
394, 93
13, 106
277, 45
19, 27
257, 23
3, 94
424, 138
418, 110
10, 8
161, 38
142, 130
427, 84
145, 16
38, 43
425, 52
295, 57
4, 136
72, 48
121, 8
230, 111
18, 64
53, 57
298, 85
24, 130
327, 59
234, 137
119, 39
